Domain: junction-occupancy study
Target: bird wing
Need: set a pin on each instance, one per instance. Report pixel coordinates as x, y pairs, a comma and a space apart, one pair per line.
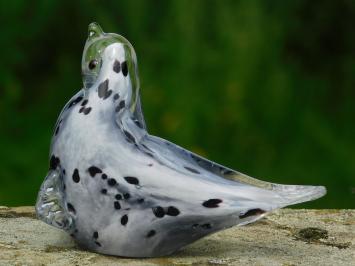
185, 161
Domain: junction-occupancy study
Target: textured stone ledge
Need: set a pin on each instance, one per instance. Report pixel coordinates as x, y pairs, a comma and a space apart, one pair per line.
286, 237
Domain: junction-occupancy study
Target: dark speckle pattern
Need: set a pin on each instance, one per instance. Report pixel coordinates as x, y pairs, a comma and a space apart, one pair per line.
84, 102
126, 196
120, 106
85, 111
140, 201
124, 219
118, 196
117, 205
129, 137
158, 212
116, 96
103, 90
138, 123
151, 233
54, 162
211, 203
192, 170
95, 235
173, 211
104, 191
111, 182
58, 127
93, 170
251, 212
124, 68
132, 180
76, 176
116, 66
104, 176
71, 208
75, 101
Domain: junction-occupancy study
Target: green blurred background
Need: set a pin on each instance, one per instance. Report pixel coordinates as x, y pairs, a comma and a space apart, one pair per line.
265, 87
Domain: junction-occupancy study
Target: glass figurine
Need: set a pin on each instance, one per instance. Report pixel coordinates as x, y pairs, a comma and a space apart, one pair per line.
120, 191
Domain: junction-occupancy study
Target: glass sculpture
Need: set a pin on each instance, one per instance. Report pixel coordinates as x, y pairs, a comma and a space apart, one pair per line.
120, 191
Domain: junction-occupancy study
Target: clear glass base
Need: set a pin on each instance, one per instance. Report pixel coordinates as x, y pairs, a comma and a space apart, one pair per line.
50, 205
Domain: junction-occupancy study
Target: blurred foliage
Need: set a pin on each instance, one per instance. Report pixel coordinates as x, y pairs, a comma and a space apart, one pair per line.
265, 87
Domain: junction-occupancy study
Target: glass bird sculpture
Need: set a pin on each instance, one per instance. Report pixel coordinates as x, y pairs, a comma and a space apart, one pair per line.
120, 191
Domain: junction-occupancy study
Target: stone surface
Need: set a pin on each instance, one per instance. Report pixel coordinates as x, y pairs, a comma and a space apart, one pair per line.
285, 237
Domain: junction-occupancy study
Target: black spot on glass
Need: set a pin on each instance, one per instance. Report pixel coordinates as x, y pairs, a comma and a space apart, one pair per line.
227, 172
138, 123
124, 219
75, 101
98, 243
172, 211
116, 96
251, 212
104, 176
118, 197
131, 180
76, 176
93, 170
146, 147
86, 111
149, 154
54, 162
111, 182
103, 90
63, 171
206, 226
151, 233
95, 235
57, 129
104, 191
192, 170
84, 102
150, 164
117, 205
120, 106
158, 211
81, 109
211, 203
108, 94
140, 201
126, 196
92, 64
124, 68
129, 136
71, 208
117, 66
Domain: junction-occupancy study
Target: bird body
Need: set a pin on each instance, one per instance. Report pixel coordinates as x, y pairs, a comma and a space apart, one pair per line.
120, 191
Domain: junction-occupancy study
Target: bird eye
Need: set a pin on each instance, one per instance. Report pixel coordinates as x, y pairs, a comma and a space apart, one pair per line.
92, 64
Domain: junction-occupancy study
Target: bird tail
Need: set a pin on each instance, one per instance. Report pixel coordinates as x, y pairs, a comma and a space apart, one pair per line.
253, 202
283, 195
295, 194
